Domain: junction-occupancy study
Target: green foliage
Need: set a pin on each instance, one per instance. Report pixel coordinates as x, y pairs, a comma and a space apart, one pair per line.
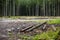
23, 2
27, 2
42, 36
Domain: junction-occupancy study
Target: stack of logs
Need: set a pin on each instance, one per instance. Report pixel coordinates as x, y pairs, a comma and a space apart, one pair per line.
44, 24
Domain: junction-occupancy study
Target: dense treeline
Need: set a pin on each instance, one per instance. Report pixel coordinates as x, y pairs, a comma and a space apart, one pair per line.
29, 8
0, 7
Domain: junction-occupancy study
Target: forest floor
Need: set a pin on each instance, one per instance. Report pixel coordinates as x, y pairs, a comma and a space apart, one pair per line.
10, 28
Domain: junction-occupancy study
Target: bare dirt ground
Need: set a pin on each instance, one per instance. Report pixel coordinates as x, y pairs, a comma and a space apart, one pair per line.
11, 28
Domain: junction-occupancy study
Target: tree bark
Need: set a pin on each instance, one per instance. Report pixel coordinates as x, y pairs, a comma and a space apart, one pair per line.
17, 10
29, 12
13, 7
44, 6
37, 10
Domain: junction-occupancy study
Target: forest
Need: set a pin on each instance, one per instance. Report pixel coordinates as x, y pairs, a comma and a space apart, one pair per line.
29, 19
29, 7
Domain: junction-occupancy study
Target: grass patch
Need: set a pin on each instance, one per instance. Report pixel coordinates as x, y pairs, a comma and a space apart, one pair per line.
54, 21
49, 35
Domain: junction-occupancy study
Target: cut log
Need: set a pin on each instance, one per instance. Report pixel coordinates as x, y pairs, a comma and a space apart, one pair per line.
44, 27
26, 28
36, 26
53, 27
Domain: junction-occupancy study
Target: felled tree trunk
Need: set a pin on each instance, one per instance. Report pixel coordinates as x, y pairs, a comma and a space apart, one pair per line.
27, 29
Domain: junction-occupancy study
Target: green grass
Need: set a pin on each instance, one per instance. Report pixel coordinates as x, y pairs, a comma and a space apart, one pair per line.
49, 35
54, 21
